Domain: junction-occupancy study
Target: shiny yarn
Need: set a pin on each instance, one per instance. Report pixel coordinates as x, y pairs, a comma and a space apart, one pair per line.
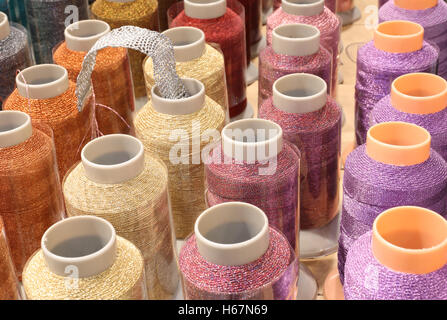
434, 21
31, 199
15, 55
331, 4
271, 277
228, 32
277, 194
71, 128
209, 69
253, 24
273, 66
124, 280
138, 209
112, 85
9, 289
46, 23
187, 178
139, 13
367, 279
376, 70
328, 24
318, 137
370, 187
435, 123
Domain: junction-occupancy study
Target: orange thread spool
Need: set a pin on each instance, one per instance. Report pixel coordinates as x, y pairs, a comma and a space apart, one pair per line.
8, 280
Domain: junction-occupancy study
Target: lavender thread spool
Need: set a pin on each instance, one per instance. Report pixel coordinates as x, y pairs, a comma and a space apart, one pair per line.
295, 49
419, 98
404, 257
398, 48
431, 14
396, 167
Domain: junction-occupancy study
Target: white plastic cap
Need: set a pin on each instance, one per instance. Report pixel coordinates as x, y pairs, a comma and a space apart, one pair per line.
205, 9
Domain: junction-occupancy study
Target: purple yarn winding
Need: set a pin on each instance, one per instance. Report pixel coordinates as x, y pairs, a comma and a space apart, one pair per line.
276, 194
371, 187
435, 123
376, 70
367, 279
434, 21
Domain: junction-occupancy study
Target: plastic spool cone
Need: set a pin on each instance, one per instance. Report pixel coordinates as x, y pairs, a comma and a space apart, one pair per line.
399, 36
415, 4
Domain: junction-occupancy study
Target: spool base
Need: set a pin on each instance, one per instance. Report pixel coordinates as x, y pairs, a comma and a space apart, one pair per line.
257, 47
247, 114
251, 74
316, 243
350, 16
332, 288
307, 285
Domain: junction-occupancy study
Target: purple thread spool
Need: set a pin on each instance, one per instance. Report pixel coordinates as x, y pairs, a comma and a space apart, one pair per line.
431, 14
396, 167
264, 173
418, 98
404, 257
295, 49
312, 12
397, 49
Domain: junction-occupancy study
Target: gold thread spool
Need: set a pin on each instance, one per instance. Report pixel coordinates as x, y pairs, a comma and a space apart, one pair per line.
139, 211
139, 13
186, 180
124, 280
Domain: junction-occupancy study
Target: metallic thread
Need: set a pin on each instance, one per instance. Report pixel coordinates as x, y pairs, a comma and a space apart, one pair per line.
71, 128
318, 137
139, 13
328, 24
276, 194
434, 21
367, 279
376, 70
186, 179
371, 187
9, 286
124, 280
272, 277
31, 198
273, 66
15, 54
228, 32
435, 123
112, 85
47, 20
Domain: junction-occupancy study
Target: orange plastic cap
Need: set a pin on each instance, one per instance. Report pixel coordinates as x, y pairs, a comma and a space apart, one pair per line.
415, 4
419, 93
410, 240
399, 36
398, 143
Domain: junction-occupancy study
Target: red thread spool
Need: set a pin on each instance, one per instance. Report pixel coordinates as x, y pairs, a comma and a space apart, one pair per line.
253, 24
223, 23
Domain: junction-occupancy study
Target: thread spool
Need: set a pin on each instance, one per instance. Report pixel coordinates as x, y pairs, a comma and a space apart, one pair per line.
331, 4
112, 79
396, 167
312, 12
431, 14
418, 98
295, 49
312, 122
46, 94
105, 265
139, 13
109, 183
17, 11
253, 165
398, 48
197, 60
9, 289
233, 241
46, 23
222, 22
402, 258
195, 119
163, 6
15, 55
31, 196
253, 24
